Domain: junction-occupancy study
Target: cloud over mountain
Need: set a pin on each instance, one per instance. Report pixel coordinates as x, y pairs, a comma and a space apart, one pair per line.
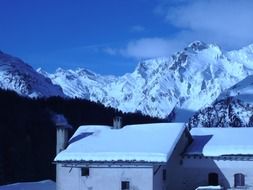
226, 22
145, 48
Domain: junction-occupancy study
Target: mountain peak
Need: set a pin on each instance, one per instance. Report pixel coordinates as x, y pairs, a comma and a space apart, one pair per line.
16, 75
197, 46
189, 80
42, 72
82, 71
60, 70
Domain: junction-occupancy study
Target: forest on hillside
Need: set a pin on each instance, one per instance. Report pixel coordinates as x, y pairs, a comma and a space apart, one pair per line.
28, 133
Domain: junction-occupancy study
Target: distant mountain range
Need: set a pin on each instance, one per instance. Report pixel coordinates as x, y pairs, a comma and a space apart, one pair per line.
173, 87
22, 78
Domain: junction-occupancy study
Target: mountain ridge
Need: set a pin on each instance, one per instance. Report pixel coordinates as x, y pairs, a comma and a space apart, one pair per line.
18, 76
166, 87
188, 80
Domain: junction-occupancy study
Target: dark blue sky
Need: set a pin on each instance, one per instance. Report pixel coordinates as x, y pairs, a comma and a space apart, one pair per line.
111, 36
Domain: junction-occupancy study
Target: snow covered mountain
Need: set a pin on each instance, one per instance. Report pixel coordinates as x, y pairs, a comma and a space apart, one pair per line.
234, 107
229, 112
242, 91
22, 78
183, 83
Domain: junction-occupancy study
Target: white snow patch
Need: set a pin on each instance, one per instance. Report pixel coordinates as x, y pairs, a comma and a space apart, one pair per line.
209, 187
41, 185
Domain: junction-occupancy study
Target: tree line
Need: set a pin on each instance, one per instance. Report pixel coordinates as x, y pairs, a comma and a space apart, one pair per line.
28, 133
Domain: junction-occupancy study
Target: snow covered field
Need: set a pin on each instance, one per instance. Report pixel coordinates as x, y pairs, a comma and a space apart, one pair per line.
41, 185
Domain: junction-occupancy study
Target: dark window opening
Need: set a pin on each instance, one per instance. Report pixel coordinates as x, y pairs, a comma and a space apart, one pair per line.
85, 171
239, 179
164, 174
213, 179
125, 185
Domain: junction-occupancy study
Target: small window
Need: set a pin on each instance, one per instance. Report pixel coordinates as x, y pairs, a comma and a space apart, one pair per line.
85, 171
213, 179
164, 175
239, 180
125, 185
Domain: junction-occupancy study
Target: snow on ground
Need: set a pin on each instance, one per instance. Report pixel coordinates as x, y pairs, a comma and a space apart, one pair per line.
41, 185
145, 142
209, 187
221, 141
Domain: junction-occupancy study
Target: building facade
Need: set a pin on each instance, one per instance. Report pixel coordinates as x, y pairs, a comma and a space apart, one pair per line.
157, 157
218, 156
126, 173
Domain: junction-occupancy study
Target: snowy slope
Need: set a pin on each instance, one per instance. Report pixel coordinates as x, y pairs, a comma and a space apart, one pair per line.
242, 91
229, 112
80, 83
234, 107
185, 82
22, 78
41, 185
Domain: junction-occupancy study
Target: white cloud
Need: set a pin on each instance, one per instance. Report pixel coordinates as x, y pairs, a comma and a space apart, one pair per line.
226, 22
151, 47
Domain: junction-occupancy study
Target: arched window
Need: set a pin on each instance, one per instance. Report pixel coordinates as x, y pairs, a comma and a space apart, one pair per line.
239, 180
213, 179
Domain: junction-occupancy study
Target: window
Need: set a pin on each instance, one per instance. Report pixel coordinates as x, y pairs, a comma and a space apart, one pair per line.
239, 179
213, 179
164, 174
125, 185
85, 171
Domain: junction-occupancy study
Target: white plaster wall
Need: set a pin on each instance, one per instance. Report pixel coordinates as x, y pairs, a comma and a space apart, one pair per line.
67, 178
105, 179
195, 172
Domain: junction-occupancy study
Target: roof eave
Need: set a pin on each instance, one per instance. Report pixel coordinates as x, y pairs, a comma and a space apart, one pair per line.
108, 163
241, 157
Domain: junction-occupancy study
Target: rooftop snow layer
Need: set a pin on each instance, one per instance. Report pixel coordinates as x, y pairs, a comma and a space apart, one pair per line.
139, 143
221, 141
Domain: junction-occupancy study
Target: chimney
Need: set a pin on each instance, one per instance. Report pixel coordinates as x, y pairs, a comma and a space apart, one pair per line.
117, 122
61, 132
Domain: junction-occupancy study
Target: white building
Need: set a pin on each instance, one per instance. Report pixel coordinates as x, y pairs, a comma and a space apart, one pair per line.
156, 157
136, 157
218, 156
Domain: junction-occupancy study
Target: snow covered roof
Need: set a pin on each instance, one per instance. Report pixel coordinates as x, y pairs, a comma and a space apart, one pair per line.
221, 141
132, 143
